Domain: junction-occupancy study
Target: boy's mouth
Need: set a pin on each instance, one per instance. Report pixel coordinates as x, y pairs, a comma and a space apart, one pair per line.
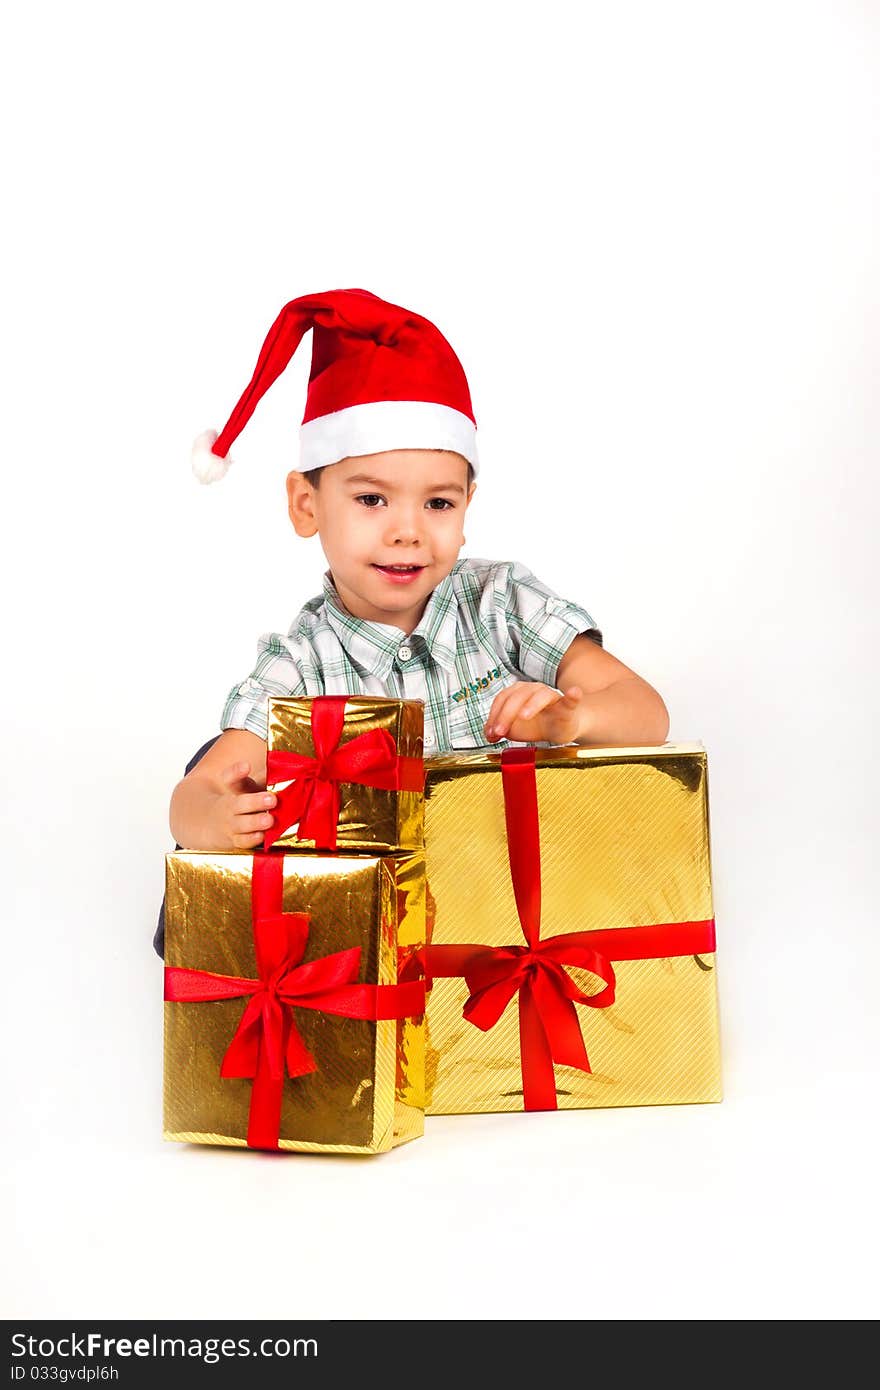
400, 574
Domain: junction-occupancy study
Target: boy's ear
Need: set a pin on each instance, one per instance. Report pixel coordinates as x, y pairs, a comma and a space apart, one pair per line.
301, 504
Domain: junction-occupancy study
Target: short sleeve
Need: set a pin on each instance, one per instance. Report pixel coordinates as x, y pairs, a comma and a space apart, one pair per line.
277, 672
539, 626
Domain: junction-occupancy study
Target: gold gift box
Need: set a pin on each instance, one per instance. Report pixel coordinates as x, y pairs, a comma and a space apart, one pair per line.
624, 839
371, 820
367, 1094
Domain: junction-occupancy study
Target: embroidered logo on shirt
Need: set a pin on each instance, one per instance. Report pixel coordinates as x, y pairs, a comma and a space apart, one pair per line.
474, 687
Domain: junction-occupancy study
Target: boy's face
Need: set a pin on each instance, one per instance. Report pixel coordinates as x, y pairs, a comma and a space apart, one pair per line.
390, 526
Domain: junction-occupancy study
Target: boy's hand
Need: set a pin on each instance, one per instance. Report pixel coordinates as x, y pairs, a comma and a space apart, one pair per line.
240, 814
529, 712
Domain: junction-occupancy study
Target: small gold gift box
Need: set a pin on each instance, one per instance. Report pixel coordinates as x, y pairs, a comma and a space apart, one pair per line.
348, 773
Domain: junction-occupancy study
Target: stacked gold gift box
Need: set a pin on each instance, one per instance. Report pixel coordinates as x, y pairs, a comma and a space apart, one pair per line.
555, 902
318, 931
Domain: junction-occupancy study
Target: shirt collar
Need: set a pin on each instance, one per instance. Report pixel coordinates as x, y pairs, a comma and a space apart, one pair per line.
374, 646
437, 627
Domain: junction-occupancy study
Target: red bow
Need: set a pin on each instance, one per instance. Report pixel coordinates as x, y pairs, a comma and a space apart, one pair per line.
312, 798
267, 1037
549, 1027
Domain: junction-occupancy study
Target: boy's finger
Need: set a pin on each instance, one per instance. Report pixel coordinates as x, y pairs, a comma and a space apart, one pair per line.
249, 802
492, 718
513, 709
246, 825
247, 841
501, 711
536, 703
498, 704
509, 711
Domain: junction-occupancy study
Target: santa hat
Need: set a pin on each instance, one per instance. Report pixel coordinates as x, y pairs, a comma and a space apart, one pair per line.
381, 378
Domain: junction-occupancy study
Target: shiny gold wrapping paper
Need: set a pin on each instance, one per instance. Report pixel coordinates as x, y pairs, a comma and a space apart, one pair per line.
368, 1092
624, 842
371, 820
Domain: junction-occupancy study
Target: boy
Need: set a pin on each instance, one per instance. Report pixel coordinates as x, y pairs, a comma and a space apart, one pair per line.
388, 466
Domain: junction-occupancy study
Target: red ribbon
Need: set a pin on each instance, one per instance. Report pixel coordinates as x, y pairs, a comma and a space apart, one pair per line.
312, 798
549, 1027
267, 1038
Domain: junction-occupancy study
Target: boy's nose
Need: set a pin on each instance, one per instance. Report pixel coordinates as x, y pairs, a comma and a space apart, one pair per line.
403, 530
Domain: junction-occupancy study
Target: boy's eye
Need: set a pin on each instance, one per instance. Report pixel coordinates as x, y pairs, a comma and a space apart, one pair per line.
440, 504
369, 499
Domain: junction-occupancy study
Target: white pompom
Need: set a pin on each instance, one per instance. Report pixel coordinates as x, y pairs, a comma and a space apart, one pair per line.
206, 465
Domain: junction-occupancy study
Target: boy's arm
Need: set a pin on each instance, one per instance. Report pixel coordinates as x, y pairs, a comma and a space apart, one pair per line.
222, 804
603, 702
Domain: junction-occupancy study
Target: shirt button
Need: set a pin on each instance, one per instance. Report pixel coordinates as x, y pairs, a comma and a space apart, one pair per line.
429, 740
404, 652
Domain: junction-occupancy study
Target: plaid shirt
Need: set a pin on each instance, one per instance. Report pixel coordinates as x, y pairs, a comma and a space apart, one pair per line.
485, 626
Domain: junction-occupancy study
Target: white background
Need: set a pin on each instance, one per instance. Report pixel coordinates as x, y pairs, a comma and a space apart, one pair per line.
651, 234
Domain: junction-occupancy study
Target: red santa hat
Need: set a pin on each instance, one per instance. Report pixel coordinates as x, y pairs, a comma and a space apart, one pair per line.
381, 378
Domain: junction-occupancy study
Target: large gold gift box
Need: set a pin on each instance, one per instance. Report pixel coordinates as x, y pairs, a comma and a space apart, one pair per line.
624, 843
366, 1093
377, 807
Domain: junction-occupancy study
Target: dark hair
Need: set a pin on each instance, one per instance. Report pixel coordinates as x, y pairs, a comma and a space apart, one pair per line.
314, 474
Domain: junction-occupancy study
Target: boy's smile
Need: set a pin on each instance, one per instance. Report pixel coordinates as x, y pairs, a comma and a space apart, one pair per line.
400, 574
390, 525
